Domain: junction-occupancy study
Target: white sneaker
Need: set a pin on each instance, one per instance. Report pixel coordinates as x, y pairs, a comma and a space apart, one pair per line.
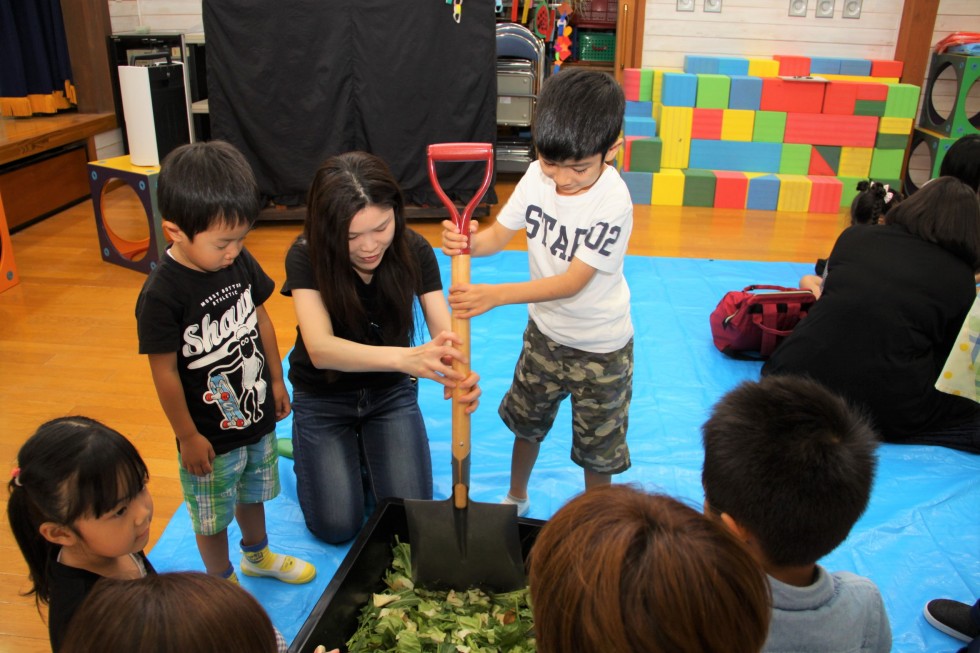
523, 505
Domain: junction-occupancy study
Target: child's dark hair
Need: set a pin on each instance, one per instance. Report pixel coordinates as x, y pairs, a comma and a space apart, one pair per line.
962, 161
790, 461
71, 467
206, 184
945, 211
578, 115
872, 202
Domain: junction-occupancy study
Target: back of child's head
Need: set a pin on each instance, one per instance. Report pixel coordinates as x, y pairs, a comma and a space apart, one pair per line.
962, 161
579, 114
180, 612
872, 202
71, 467
618, 569
205, 185
791, 462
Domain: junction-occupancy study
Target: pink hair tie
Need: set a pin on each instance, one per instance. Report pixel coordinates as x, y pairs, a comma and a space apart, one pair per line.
15, 474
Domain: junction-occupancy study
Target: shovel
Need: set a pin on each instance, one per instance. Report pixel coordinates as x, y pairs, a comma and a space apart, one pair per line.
458, 543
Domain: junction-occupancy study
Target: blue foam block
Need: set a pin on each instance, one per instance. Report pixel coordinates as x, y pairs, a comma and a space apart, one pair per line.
735, 155
763, 193
824, 66
679, 90
733, 66
745, 92
860, 67
638, 126
696, 63
642, 109
640, 185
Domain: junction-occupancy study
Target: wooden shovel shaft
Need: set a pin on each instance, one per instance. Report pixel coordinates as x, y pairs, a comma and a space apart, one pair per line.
461, 419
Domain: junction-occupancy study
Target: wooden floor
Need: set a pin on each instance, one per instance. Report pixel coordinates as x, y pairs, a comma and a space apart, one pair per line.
68, 336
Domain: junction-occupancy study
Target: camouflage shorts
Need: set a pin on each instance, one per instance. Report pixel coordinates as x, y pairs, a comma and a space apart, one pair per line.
601, 386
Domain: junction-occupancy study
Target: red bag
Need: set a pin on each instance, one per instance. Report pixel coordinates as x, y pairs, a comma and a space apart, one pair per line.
750, 324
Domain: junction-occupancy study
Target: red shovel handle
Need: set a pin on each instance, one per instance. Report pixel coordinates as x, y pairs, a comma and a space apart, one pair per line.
461, 152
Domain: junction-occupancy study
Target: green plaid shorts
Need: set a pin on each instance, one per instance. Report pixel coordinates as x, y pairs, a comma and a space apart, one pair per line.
248, 474
601, 387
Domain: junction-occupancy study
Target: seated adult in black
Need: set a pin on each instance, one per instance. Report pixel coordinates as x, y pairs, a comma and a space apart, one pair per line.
893, 302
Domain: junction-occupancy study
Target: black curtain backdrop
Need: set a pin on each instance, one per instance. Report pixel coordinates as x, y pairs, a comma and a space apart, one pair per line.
293, 83
33, 57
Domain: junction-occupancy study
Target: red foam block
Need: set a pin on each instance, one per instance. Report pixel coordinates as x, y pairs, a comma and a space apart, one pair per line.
827, 129
791, 96
840, 97
731, 189
875, 92
790, 65
886, 68
825, 193
706, 124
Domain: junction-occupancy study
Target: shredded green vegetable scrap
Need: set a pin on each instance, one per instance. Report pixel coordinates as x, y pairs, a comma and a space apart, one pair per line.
406, 619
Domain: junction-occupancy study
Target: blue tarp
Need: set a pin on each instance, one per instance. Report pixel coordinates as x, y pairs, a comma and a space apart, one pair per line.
919, 539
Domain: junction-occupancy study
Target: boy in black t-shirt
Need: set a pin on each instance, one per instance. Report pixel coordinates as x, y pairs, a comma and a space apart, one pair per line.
214, 358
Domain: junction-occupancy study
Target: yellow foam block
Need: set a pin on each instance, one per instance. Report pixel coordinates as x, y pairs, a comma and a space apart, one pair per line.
658, 108
895, 125
763, 68
737, 124
658, 86
668, 188
855, 161
675, 133
794, 193
859, 78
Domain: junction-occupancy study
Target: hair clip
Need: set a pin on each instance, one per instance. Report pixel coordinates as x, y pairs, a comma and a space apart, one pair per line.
888, 194
15, 475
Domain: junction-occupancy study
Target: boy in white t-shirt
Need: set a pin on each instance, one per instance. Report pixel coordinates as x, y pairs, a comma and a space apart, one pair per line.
578, 215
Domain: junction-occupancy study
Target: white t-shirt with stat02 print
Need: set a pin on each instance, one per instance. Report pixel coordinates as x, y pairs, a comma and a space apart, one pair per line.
595, 227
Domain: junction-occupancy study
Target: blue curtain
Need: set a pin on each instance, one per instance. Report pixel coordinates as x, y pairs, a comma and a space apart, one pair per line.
35, 71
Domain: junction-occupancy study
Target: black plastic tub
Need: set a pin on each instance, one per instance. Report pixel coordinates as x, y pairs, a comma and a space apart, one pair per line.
334, 617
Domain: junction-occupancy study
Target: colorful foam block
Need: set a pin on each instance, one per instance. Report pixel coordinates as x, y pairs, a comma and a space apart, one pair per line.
849, 189
839, 98
824, 160
646, 154
884, 141
640, 185
824, 65
826, 129
886, 68
733, 66
696, 64
794, 193
791, 96
903, 101
745, 92
769, 126
737, 125
763, 194
731, 188
675, 132
792, 65
869, 108
668, 188
795, 159
656, 85
859, 78
712, 91
679, 90
735, 155
639, 109
699, 187
872, 91
763, 67
886, 164
858, 67
825, 193
855, 161
625, 154
889, 125
639, 126
707, 124
631, 84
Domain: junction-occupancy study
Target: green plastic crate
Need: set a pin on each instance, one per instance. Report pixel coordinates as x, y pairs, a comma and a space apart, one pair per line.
597, 46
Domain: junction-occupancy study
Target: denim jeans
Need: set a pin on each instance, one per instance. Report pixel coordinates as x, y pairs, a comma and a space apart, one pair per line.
335, 436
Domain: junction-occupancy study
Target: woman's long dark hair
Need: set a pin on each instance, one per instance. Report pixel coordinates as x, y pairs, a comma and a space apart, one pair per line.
344, 185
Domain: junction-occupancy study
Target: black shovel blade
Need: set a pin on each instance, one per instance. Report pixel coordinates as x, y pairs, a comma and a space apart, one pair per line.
477, 546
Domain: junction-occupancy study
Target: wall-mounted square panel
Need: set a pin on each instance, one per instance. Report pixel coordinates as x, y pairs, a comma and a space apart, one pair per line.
712, 6
852, 9
797, 7
685, 5
825, 9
